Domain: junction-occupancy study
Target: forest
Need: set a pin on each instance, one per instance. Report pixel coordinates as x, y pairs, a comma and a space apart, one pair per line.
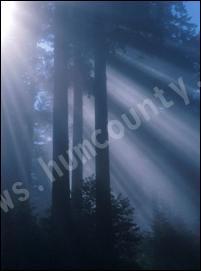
100, 159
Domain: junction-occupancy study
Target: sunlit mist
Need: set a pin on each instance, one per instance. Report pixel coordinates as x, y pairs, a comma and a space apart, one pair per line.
100, 135
7, 20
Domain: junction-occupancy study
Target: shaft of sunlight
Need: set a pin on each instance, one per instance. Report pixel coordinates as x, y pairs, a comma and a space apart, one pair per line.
7, 18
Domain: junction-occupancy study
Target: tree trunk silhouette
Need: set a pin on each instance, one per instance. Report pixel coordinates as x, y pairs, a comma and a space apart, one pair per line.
77, 129
103, 197
61, 189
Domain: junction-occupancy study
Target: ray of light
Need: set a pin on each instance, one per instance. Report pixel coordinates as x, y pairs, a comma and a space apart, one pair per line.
7, 20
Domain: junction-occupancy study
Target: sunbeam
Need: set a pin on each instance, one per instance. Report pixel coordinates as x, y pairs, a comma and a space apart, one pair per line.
7, 20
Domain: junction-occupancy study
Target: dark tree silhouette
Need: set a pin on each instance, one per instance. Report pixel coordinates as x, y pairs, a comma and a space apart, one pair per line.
77, 128
171, 246
78, 91
61, 213
61, 188
103, 205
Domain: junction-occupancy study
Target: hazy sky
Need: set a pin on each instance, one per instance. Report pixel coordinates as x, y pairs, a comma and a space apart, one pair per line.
194, 11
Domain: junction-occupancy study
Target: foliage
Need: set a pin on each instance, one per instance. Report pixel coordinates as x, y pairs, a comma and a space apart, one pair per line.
29, 242
170, 246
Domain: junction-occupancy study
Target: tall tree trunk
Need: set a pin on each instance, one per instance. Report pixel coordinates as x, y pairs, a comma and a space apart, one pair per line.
61, 189
77, 130
103, 196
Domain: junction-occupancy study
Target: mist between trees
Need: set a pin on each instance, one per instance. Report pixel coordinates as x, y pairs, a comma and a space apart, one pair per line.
100, 135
